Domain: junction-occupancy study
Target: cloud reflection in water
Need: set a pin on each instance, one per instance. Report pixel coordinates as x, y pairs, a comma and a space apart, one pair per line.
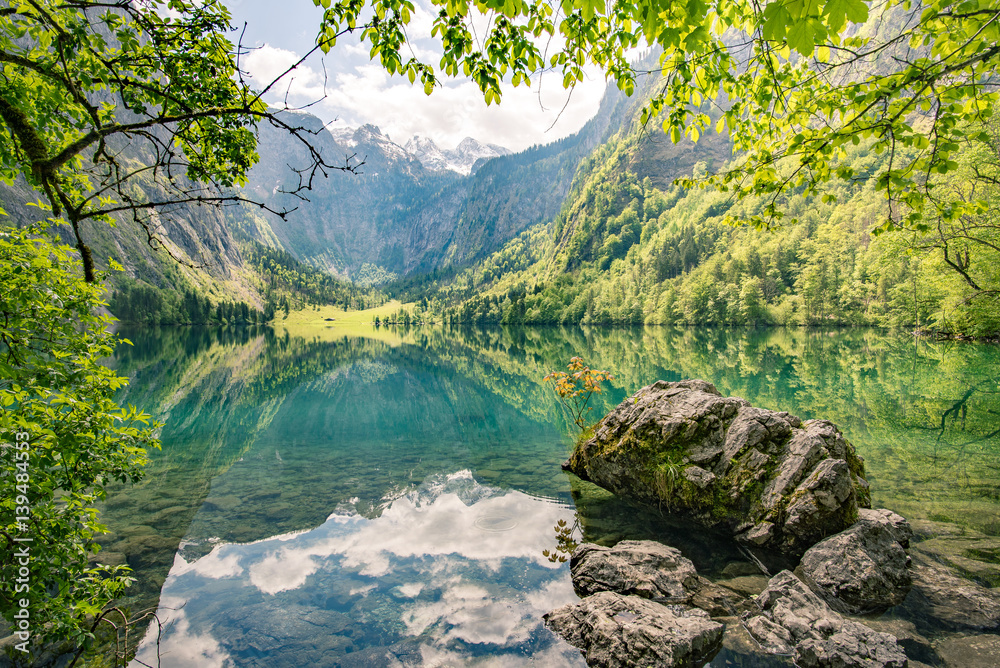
450, 574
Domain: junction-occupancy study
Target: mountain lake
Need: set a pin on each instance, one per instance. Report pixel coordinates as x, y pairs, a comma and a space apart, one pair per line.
383, 497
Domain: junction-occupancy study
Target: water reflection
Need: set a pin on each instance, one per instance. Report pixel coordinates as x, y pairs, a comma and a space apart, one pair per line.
283, 458
442, 575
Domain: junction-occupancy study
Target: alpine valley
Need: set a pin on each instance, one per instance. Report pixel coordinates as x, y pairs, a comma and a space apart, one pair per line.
592, 228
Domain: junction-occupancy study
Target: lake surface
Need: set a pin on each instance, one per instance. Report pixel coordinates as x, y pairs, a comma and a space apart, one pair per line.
383, 498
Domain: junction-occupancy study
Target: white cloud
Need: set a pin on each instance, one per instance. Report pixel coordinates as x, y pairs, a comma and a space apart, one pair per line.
410, 589
366, 93
302, 85
283, 570
179, 646
411, 527
457, 110
218, 564
452, 561
361, 92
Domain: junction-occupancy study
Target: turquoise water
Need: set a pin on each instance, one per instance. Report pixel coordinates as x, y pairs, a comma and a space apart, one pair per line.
384, 498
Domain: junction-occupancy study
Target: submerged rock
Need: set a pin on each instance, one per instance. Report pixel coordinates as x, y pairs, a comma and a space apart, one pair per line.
615, 631
952, 601
794, 620
770, 479
650, 570
973, 555
919, 649
970, 651
864, 568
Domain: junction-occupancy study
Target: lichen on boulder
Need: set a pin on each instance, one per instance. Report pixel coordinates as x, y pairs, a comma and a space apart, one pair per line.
770, 479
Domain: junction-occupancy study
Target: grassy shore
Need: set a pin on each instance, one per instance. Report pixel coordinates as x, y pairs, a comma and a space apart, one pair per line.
330, 323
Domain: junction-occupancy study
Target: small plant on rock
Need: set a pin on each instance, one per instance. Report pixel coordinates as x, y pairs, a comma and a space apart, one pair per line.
565, 541
667, 477
575, 389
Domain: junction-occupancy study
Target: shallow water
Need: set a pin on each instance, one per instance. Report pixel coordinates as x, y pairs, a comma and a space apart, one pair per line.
385, 499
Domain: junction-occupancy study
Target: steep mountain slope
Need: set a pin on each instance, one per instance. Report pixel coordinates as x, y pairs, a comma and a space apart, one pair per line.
206, 251
628, 247
404, 218
349, 219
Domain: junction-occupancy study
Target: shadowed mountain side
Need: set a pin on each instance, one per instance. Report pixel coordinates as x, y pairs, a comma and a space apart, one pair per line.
399, 215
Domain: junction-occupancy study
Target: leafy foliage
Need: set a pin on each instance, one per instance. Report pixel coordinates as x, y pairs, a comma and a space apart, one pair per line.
53, 389
793, 83
576, 388
565, 541
82, 80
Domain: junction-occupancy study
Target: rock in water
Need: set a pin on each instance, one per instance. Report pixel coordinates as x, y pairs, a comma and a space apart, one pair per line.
794, 620
772, 480
635, 568
863, 569
952, 600
651, 570
616, 631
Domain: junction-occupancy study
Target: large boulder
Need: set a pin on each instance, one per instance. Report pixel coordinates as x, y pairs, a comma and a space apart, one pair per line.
773, 481
863, 569
616, 631
650, 570
794, 620
635, 568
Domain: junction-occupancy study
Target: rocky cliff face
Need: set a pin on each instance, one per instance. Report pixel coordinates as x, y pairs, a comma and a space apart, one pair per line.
199, 237
350, 219
417, 210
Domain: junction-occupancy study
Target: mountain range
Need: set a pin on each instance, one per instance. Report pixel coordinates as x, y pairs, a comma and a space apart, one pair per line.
414, 209
469, 155
409, 210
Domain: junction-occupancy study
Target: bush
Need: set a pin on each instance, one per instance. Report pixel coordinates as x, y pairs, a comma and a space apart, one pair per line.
68, 438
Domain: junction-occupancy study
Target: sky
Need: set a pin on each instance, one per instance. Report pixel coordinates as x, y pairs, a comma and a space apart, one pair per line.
349, 90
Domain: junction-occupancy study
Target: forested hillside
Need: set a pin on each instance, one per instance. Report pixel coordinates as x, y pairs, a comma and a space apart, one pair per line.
627, 248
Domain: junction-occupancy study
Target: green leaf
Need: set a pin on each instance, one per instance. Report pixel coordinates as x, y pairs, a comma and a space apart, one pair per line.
776, 21
802, 37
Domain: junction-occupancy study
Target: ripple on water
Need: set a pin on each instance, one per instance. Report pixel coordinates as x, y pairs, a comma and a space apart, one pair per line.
495, 523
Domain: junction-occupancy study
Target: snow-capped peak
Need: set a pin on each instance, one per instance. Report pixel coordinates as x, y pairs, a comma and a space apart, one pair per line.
427, 152
460, 159
369, 135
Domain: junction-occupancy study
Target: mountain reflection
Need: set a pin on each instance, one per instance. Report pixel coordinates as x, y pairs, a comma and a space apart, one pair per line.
301, 482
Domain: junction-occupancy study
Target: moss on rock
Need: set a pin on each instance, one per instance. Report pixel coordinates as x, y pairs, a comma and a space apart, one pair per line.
770, 479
